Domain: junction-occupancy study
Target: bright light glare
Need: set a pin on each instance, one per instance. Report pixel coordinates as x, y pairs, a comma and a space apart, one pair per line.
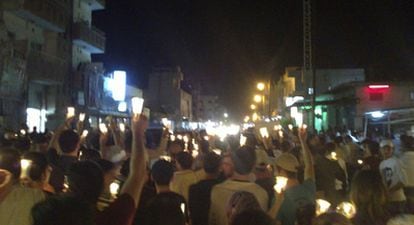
122, 107
347, 209
264, 133
118, 85
114, 188
257, 98
377, 114
226, 115
103, 128
379, 86
137, 105
183, 208
281, 183
70, 112
122, 127
252, 107
242, 140
322, 206
85, 133
260, 86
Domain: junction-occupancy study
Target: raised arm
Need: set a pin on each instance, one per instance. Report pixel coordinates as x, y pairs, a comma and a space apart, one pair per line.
137, 175
307, 155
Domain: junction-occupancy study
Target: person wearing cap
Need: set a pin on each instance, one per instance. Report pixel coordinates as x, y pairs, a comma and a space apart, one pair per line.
393, 177
297, 195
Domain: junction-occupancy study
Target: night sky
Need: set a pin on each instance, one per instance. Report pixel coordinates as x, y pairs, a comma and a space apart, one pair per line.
230, 44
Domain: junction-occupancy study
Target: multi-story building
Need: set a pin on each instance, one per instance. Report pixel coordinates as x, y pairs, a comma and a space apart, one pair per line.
34, 61
88, 77
294, 89
167, 95
45, 60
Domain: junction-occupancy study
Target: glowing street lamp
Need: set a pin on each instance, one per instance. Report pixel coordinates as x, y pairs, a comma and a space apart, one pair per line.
253, 107
260, 86
257, 98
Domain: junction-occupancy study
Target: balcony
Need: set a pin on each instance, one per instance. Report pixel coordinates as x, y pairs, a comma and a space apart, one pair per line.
89, 37
49, 14
96, 4
45, 68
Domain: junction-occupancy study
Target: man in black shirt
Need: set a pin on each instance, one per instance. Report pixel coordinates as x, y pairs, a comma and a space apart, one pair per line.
166, 207
199, 193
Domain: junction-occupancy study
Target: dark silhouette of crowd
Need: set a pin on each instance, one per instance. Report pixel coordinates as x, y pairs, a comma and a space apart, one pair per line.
290, 176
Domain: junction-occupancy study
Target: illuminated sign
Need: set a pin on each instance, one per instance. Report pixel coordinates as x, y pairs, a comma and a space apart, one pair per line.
379, 86
118, 86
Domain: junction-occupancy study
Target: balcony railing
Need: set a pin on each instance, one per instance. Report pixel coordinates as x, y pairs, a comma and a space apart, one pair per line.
89, 37
96, 4
44, 68
49, 14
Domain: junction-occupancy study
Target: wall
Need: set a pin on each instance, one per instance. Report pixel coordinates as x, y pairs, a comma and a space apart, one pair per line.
81, 12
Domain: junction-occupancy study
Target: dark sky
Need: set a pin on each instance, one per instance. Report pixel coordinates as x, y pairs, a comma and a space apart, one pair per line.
230, 44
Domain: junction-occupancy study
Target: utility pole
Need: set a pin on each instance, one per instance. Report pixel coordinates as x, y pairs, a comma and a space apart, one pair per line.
307, 57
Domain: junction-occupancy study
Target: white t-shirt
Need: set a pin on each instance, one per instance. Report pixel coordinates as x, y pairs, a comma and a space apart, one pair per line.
221, 194
15, 209
392, 173
407, 161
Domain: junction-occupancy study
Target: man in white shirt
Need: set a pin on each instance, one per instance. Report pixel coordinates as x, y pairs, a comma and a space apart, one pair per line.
407, 160
244, 160
393, 177
16, 201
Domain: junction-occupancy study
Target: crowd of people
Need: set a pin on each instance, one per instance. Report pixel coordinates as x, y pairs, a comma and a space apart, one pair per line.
114, 176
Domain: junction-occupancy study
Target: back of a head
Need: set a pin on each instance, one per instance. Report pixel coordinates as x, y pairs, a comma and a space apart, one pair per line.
105, 165
244, 160
242, 201
331, 219
10, 161
86, 180
369, 193
68, 141
62, 210
38, 166
162, 172
374, 148
211, 163
252, 217
407, 142
185, 160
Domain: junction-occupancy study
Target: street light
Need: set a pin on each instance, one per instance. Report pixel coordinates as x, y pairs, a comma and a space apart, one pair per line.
253, 107
260, 86
257, 98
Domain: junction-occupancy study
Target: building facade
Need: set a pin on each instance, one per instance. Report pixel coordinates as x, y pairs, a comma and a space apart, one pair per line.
168, 95
34, 61
45, 60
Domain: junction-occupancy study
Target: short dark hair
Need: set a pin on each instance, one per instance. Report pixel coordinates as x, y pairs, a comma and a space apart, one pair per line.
162, 172
10, 161
252, 217
38, 166
63, 210
105, 165
86, 180
244, 160
211, 163
185, 160
374, 148
68, 141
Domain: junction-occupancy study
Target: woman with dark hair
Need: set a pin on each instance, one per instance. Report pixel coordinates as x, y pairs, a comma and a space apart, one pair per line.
369, 196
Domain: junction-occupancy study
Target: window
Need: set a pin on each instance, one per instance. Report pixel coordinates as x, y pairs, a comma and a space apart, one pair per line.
376, 96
